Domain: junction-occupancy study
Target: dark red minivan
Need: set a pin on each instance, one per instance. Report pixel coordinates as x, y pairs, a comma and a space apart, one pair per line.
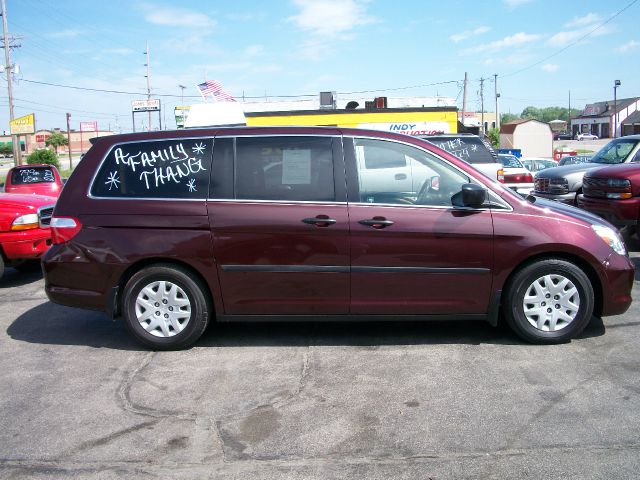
171, 230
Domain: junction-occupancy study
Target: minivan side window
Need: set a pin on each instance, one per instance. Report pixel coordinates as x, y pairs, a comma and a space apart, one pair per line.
284, 168
423, 180
177, 169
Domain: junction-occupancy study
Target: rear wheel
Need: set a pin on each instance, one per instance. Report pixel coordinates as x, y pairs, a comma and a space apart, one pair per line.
1, 266
165, 307
549, 301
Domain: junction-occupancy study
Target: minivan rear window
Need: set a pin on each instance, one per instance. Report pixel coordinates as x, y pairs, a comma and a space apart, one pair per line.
470, 148
158, 169
23, 176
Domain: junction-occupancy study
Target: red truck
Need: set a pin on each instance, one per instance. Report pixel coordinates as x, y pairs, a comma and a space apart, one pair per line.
24, 229
39, 179
613, 193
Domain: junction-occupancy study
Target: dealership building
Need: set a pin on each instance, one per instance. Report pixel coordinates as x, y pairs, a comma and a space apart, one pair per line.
600, 118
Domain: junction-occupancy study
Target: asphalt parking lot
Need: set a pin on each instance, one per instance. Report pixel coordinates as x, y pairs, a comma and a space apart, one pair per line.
450, 400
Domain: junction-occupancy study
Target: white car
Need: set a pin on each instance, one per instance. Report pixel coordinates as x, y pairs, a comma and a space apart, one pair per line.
516, 176
586, 136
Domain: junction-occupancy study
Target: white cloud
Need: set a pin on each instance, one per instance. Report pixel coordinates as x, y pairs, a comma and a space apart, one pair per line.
192, 44
588, 19
176, 17
630, 45
550, 67
458, 37
330, 18
517, 39
67, 33
253, 50
515, 3
562, 39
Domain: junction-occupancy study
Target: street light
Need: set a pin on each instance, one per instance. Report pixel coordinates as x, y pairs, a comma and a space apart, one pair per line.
616, 84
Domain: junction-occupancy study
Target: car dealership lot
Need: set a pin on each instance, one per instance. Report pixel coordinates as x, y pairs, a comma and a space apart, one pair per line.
80, 399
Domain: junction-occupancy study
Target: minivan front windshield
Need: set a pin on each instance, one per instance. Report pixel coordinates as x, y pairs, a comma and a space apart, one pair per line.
615, 152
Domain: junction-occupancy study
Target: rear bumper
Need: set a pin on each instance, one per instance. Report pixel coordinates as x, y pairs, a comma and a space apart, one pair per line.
617, 212
523, 188
25, 245
71, 279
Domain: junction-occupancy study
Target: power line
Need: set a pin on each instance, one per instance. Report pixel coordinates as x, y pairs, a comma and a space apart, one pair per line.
573, 43
311, 95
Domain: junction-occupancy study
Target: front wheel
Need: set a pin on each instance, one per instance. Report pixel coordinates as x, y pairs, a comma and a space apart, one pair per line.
165, 307
549, 301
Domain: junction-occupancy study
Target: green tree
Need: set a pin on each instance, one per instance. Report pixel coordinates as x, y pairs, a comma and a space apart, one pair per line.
5, 149
494, 137
43, 156
55, 140
548, 114
508, 117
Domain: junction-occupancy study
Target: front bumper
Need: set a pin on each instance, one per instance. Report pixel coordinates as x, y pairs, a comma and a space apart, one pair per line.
619, 272
26, 244
568, 198
620, 213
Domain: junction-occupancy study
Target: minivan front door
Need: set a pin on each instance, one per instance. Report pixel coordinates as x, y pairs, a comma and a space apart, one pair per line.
413, 253
280, 225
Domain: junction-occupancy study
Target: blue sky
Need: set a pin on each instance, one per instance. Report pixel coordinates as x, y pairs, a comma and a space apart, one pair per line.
301, 47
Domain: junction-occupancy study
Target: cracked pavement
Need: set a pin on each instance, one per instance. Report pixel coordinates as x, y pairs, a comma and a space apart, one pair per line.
81, 400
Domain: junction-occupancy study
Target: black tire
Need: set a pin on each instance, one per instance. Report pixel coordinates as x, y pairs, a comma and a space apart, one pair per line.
191, 288
1, 265
28, 266
523, 283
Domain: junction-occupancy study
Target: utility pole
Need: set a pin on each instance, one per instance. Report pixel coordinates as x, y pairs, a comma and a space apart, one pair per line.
69, 140
569, 115
148, 65
464, 97
495, 84
17, 157
482, 105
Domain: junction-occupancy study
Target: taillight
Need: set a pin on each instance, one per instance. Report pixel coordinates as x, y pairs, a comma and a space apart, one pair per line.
25, 222
500, 175
518, 178
64, 229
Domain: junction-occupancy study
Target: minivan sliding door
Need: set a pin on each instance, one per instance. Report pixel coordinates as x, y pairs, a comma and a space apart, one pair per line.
280, 227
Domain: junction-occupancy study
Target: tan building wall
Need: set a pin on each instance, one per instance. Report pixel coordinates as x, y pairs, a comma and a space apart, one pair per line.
533, 138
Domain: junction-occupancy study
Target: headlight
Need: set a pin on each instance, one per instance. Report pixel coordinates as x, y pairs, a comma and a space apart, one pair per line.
618, 183
25, 222
611, 238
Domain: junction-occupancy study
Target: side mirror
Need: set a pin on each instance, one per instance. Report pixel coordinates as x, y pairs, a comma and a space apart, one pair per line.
470, 196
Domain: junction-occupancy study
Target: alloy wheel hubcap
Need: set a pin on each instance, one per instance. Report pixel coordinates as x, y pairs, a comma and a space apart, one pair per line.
163, 309
551, 303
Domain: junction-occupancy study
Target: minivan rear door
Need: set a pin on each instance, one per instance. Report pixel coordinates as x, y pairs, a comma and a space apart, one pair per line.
415, 254
280, 226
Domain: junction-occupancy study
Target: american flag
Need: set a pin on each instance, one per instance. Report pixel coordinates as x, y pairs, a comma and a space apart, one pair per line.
214, 88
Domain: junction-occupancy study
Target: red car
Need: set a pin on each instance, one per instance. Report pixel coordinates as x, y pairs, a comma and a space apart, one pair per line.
38, 179
24, 229
613, 193
171, 230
